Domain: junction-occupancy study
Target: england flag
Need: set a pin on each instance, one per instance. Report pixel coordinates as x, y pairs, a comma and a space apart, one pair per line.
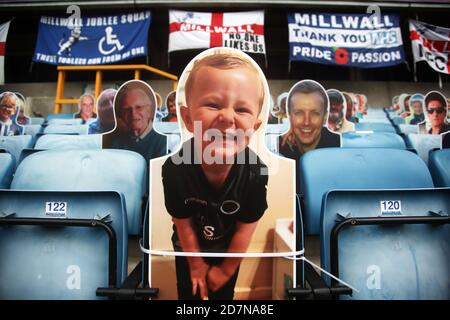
202, 30
3, 34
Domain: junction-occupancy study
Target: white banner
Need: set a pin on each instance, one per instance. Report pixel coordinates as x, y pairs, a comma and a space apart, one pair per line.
431, 44
3, 34
197, 30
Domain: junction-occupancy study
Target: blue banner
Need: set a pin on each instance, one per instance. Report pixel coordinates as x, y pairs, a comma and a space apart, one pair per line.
354, 40
92, 40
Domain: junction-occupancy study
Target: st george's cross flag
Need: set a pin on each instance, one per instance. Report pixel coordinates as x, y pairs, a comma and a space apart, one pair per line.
3, 34
200, 30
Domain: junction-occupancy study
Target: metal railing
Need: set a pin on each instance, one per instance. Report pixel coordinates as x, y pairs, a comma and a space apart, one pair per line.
60, 100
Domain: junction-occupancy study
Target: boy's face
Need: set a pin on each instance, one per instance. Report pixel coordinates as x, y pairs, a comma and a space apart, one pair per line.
228, 101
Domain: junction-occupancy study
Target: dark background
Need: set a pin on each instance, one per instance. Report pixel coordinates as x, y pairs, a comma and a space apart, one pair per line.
23, 33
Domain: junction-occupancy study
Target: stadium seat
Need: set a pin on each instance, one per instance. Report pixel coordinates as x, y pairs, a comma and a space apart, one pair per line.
59, 116
63, 129
408, 128
15, 144
396, 120
88, 170
32, 129
61, 245
374, 126
68, 142
439, 164
375, 120
37, 120
64, 121
167, 127
7, 167
372, 140
423, 144
273, 133
173, 142
322, 170
402, 255
172, 131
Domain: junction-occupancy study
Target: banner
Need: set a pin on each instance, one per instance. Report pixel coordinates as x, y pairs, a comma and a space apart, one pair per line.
92, 40
3, 34
198, 30
353, 40
431, 44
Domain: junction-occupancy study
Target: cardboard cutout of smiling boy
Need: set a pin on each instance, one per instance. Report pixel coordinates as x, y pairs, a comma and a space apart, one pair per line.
215, 202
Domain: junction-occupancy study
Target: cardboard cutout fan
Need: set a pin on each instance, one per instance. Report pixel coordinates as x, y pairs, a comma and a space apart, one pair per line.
9, 111
134, 111
23, 112
86, 109
416, 110
105, 121
221, 205
337, 121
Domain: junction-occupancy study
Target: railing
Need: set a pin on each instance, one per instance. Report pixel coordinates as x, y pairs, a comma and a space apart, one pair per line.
60, 100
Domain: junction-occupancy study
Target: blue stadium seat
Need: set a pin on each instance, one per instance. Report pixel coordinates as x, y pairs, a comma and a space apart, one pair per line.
327, 169
7, 166
374, 126
173, 142
69, 142
37, 120
32, 129
59, 116
374, 120
396, 120
408, 128
46, 257
386, 256
273, 133
88, 170
372, 140
376, 112
439, 165
167, 127
172, 131
15, 144
62, 129
423, 144
64, 121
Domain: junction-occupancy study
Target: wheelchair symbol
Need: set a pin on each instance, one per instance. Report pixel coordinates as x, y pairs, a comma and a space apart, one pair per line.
112, 43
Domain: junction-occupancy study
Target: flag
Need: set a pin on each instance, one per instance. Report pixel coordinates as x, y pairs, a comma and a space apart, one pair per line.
92, 40
353, 40
201, 30
3, 34
431, 44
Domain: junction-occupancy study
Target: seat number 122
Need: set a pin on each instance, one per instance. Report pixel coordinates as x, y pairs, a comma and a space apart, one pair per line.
56, 209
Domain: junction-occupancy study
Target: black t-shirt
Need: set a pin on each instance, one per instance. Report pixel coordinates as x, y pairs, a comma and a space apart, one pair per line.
188, 194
